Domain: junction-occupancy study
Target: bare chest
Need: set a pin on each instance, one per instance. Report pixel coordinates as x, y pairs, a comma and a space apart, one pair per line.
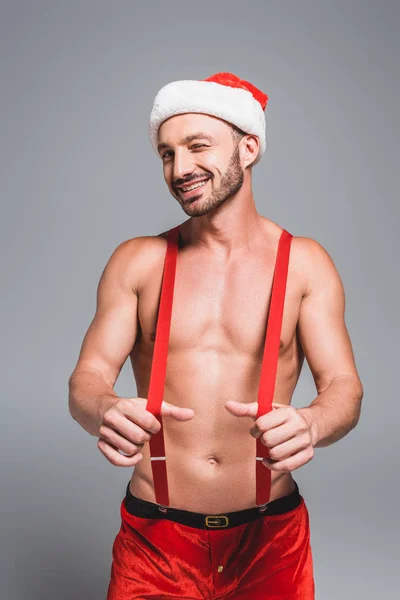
219, 306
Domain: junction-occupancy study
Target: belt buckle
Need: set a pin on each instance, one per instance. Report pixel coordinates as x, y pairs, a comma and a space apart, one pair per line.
214, 521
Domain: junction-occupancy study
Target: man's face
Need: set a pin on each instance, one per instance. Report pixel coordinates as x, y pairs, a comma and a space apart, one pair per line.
199, 149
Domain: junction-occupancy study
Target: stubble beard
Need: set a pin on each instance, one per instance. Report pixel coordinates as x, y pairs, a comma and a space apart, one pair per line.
231, 183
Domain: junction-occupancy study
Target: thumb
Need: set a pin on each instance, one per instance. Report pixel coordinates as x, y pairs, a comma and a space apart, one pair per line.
176, 412
242, 409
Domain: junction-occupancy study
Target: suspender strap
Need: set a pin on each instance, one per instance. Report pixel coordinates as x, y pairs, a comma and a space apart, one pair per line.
159, 367
270, 361
268, 369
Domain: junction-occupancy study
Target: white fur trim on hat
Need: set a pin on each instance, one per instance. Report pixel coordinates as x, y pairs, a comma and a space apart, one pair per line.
235, 105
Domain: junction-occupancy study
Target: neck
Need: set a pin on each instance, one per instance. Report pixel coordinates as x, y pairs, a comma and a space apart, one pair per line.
231, 227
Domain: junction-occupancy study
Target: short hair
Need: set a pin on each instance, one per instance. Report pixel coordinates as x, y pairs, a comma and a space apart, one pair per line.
237, 133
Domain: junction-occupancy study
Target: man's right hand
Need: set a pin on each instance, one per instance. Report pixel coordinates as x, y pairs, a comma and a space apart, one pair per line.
127, 426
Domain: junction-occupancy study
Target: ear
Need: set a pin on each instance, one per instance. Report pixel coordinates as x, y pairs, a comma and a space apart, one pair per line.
250, 148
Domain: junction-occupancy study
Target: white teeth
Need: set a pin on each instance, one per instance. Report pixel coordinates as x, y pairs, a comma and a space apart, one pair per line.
193, 187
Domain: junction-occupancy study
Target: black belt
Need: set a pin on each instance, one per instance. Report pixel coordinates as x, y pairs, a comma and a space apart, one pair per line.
150, 510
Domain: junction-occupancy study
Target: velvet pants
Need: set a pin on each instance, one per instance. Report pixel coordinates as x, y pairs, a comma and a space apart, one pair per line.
268, 558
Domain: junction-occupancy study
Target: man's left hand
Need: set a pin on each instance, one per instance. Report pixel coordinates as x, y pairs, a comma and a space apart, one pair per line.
283, 430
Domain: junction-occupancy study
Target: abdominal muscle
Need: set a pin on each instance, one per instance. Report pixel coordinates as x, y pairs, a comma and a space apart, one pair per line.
207, 484
210, 459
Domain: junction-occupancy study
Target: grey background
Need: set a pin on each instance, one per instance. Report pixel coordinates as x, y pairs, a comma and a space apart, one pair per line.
78, 176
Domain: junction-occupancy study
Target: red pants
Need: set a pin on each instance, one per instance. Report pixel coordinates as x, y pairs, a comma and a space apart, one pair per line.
268, 558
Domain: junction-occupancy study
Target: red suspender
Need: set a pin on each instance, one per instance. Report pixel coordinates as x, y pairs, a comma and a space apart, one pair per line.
270, 361
159, 366
268, 369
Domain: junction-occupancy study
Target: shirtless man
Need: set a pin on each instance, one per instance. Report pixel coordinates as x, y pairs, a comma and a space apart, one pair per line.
213, 132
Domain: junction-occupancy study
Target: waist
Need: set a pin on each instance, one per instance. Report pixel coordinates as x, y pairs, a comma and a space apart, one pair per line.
197, 485
150, 510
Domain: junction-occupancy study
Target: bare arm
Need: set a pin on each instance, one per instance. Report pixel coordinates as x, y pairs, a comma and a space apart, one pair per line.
327, 348
108, 341
123, 425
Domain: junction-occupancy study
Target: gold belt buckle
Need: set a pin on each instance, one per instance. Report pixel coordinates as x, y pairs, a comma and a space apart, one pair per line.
217, 521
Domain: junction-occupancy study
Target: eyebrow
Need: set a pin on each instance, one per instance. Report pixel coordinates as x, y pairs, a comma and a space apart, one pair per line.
188, 139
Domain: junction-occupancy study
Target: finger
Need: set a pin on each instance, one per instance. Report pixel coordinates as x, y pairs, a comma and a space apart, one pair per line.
276, 435
127, 446
134, 409
292, 463
288, 448
115, 458
242, 409
128, 430
271, 420
177, 412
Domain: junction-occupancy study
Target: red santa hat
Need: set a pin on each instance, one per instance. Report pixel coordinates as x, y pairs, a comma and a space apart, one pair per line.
222, 95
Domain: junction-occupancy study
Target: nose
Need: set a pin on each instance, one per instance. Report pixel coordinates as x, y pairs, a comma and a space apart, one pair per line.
183, 165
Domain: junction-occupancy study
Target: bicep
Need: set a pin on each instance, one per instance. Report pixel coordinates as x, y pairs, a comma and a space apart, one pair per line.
112, 332
322, 329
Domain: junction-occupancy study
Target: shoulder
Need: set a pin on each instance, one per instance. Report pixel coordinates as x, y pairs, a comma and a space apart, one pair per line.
135, 258
308, 250
313, 261
146, 246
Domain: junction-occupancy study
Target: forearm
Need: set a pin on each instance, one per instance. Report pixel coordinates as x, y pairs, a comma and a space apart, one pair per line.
335, 411
89, 397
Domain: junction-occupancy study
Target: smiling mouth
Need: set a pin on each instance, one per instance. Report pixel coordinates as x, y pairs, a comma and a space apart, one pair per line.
191, 190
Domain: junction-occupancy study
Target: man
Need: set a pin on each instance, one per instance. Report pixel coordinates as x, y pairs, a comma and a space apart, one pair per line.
235, 302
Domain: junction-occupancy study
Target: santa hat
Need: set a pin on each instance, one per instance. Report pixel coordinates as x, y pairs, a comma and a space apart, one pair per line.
222, 95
